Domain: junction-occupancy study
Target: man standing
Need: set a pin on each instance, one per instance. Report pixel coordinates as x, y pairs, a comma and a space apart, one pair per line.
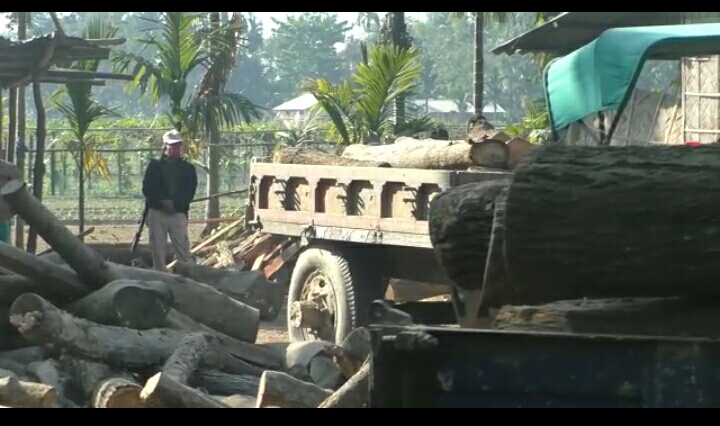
169, 186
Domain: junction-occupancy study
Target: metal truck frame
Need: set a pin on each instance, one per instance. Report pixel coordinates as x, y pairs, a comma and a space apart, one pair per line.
358, 226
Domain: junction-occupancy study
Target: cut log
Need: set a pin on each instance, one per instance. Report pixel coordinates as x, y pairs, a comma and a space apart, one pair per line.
238, 401
281, 390
460, 223
479, 129
8, 172
199, 301
58, 281
9, 337
355, 393
312, 156
117, 392
408, 153
249, 287
12, 286
492, 154
23, 356
169, 388
608, 222
49, 373
518, 148
20, 394
218, 383
675, 316
13, 366
126, 303
102, 386
253, 354
43, 324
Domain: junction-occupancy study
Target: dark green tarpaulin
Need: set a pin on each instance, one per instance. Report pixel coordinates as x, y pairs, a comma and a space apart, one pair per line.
600, 76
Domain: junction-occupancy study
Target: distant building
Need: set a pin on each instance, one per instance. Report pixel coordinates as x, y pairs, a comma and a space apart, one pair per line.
447, 110
296, 110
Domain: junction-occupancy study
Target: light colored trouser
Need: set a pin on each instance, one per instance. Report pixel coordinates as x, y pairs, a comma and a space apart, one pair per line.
160, 225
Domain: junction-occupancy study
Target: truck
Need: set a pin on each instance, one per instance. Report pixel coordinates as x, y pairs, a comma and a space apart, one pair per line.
424, 366
357, 227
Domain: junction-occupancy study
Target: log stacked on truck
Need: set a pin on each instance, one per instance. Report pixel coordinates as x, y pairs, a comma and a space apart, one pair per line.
92, 333
484, 148
590, 239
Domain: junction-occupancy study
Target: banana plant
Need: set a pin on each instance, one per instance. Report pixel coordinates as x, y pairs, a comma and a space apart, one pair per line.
361, 109
81, 111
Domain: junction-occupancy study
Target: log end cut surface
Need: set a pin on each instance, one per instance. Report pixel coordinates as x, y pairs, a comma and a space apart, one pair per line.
118, 392
460, 226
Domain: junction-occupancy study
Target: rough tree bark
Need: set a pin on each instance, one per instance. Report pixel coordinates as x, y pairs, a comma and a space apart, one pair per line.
199, 301
675, 316
409, 153
607, 222
45, 325
126, 303
460, 225
169, 388
317, 157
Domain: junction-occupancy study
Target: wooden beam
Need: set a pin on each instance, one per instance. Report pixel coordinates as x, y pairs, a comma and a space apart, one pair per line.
52, 80
64, 72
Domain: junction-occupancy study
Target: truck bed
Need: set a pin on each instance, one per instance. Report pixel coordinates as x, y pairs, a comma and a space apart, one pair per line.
490, 368
368, 205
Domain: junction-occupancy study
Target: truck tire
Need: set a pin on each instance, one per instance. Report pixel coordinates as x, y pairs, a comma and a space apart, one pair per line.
351, 280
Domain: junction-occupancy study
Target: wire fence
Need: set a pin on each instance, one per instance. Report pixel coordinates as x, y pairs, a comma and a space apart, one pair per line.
117, 199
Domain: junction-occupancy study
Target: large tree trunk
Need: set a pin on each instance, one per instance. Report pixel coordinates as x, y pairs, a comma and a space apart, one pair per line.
126, 303
219, 383
409, 153
313, 156
643, 316
603, 222
45, 325
169, 388
460, 223
198, 301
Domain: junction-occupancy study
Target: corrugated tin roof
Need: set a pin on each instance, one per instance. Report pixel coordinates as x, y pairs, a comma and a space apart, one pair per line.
301, 103
304, 102
443, 106
571, 30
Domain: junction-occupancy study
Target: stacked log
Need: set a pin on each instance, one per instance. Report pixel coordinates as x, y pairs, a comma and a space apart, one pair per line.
91, 333
590, 240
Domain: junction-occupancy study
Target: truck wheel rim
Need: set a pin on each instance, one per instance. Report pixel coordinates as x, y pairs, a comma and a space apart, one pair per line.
318, 288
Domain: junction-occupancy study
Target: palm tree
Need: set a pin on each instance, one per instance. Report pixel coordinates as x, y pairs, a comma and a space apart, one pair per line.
183, 45
478, 69
361, 109
82, 111
394, 32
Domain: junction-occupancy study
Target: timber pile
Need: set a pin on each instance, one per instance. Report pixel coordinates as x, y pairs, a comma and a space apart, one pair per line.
91, 333
484, 148
590, 240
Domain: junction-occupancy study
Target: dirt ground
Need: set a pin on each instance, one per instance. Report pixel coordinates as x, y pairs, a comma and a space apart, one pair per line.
270, 332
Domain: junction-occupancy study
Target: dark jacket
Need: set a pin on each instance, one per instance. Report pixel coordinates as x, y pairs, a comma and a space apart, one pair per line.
157, 188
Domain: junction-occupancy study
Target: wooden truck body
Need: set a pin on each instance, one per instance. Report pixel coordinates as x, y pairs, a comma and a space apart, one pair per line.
370, 220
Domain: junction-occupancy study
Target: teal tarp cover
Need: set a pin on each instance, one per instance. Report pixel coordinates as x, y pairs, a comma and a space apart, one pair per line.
600, 76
